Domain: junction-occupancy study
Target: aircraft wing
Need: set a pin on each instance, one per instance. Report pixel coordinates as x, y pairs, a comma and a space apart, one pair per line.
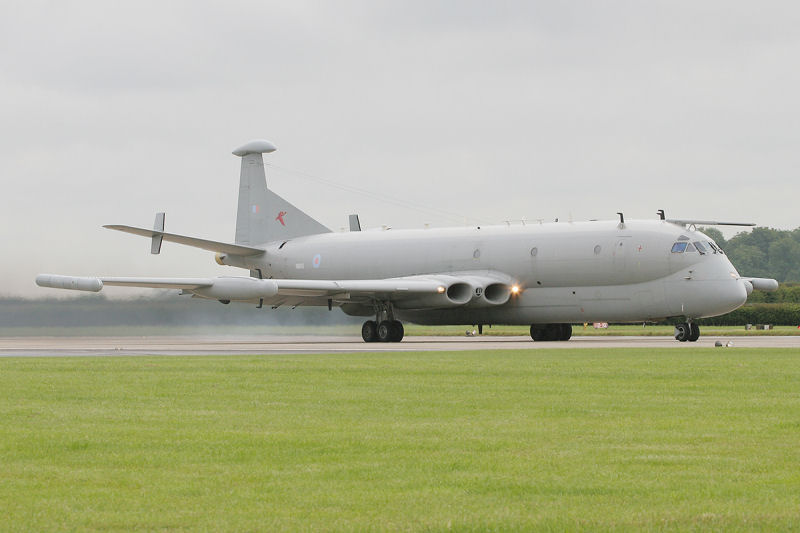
413, 292
214, 246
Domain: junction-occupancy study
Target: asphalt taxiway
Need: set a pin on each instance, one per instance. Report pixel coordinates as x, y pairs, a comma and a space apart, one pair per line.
277, 345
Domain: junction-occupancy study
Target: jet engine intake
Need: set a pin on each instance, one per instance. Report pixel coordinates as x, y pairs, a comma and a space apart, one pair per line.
487, 291
459, 293
496, 293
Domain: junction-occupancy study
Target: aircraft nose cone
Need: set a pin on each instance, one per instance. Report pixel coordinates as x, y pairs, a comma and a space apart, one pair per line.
736, 294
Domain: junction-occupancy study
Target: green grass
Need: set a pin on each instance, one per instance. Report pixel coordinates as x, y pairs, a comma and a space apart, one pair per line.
691, 439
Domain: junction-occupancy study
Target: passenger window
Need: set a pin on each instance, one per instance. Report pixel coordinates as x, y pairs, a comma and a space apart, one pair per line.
700, 247
679, 247
690, 248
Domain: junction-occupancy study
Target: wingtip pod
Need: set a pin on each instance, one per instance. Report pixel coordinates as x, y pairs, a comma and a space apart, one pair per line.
55, 281
256, 146
763, 284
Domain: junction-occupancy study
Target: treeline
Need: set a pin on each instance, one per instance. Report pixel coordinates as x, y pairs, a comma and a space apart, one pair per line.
763, 253
776, 314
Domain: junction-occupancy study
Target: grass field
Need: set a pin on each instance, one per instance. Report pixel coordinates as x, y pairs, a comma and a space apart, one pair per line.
695, 439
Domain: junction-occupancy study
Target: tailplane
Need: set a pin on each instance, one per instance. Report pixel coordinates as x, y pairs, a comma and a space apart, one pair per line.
263, 216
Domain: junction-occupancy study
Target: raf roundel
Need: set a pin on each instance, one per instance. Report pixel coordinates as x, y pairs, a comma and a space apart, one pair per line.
316, 261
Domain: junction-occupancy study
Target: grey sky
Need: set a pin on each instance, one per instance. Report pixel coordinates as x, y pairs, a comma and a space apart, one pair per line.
489, 110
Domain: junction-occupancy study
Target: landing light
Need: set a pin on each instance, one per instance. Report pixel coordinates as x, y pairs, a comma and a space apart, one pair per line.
515, 289
440, 289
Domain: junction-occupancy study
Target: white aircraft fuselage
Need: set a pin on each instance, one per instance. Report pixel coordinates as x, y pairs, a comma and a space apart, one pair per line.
566, 272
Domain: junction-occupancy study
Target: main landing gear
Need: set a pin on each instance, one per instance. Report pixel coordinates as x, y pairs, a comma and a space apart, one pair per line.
551, 332
384, 328
385, 331
687, 331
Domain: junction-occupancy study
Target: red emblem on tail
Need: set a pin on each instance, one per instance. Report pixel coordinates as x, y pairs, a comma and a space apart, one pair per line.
280, 216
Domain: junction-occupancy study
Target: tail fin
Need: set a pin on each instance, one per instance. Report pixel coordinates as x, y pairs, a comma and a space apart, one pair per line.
263, 216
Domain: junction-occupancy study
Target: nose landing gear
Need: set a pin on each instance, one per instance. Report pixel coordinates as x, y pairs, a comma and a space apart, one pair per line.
688, 331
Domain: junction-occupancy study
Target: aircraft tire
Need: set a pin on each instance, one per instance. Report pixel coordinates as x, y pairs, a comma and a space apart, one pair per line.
369, 331
682, 332
566, 332
538, 333
386, 331
694, 332
397, 331
553, 332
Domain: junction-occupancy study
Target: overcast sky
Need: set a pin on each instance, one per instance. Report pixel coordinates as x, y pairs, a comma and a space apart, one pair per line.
446, 112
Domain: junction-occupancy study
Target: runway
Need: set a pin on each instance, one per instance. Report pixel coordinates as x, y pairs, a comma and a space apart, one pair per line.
280, 345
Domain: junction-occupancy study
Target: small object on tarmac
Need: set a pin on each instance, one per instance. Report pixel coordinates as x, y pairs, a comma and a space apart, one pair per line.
471, 333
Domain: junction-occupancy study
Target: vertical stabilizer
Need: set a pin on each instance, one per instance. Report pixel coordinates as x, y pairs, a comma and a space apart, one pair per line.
263, 216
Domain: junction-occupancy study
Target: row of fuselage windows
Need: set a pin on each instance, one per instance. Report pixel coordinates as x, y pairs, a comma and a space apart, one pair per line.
707, 247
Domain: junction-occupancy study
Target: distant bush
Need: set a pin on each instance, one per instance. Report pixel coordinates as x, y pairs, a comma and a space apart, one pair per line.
786, 293
780, 314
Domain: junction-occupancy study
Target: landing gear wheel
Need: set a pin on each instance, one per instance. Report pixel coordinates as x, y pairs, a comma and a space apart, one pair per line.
538, 333
694, 332
369, 331
386, 331
682, 332
565, 331
398, 331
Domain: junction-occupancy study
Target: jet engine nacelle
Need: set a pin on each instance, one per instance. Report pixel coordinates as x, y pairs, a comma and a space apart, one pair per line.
453, 293
238, 289
487, 291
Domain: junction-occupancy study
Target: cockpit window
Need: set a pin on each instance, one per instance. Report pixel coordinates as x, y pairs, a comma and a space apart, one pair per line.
712, 246
679, 247
683, 238
700, 247
690, 247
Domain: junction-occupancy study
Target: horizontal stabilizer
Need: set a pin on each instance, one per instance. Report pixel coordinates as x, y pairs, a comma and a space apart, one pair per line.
707, 222
214, 246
